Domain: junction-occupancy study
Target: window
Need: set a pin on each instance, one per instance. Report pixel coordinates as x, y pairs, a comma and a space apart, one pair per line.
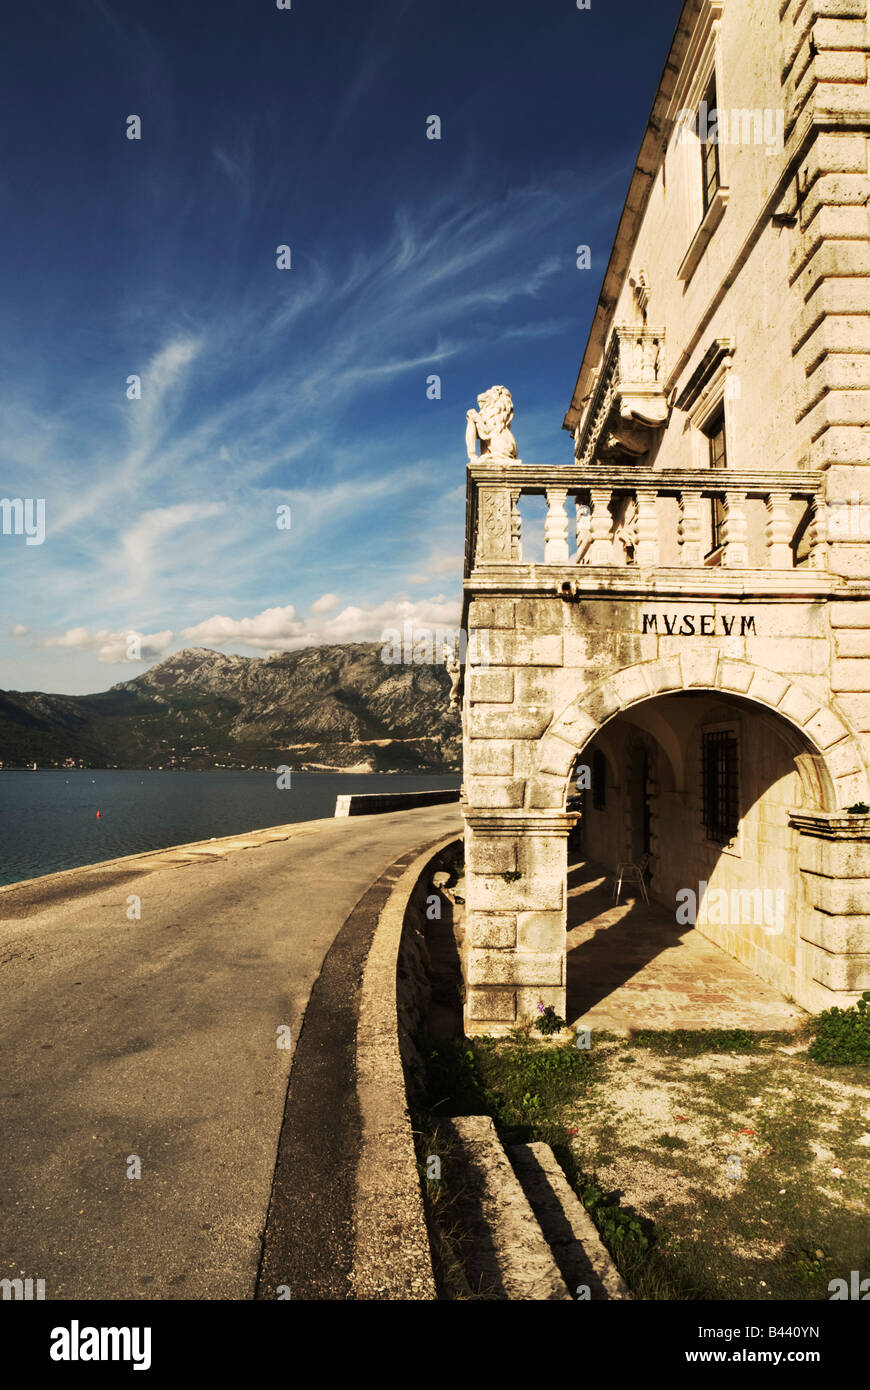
599, 775
720, 786
715, 432
709, 145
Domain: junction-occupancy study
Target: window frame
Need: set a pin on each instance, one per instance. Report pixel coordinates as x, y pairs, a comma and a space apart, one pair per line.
702, 73
714, 428
723, 732
709, 187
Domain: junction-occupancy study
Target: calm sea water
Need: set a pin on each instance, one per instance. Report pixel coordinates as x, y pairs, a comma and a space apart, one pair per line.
48, 819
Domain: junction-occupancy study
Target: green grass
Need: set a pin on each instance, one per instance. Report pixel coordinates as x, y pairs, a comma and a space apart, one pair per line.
523, 1085
692, 1042
776, 1233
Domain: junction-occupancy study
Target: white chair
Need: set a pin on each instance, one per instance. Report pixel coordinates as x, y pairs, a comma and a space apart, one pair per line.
630, 872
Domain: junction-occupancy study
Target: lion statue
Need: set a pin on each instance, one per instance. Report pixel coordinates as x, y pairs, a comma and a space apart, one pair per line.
491, 425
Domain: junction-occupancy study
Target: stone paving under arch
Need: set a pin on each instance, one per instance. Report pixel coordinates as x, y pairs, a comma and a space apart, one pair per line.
630, 966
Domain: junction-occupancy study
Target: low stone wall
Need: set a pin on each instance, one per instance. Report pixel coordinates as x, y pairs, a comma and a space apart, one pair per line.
376, 803
392, 1257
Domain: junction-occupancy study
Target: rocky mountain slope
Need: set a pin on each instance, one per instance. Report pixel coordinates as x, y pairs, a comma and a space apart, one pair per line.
337, 706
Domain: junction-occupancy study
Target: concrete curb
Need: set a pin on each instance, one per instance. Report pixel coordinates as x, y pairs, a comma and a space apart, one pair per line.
508, 1254
376, 803
570, 1231
392, 1258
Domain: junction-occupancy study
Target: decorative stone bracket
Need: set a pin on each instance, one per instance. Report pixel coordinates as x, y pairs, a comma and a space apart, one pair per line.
629, 402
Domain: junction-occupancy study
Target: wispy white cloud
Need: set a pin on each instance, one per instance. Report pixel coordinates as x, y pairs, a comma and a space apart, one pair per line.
308, 391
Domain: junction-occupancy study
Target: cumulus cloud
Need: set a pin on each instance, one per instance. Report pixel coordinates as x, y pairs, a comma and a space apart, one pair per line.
368, 622
325, 603
275, 629
280, 630
113, 647
19, 630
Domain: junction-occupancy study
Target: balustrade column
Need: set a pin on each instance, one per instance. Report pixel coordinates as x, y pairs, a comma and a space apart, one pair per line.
601, 527
646, 551
584, 538
734, 529
556, 529
818, 535
516, 528
690, 528
778, 532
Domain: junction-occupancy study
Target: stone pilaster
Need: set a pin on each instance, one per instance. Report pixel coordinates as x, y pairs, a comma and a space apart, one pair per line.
515, 874
834, 858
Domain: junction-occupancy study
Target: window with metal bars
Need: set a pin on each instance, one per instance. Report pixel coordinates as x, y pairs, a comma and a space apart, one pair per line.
720, 786
709, 147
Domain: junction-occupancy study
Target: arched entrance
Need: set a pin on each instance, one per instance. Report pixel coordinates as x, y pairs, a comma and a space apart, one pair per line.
710, 780
729, 745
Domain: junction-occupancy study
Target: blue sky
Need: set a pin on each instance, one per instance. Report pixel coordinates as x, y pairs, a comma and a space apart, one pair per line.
304, 387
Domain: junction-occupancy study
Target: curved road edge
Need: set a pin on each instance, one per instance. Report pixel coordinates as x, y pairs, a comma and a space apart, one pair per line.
346, 1217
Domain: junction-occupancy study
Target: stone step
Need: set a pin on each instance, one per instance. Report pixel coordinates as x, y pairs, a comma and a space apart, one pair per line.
505, 1255
577, 1248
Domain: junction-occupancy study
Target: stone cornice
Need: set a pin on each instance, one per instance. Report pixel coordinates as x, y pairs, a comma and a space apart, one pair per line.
830, 825
718, 352
708, 585
525, 822
538, 477
813, 120
642, 180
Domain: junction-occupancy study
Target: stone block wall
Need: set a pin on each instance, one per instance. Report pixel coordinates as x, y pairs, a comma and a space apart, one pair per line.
556, 675
835, 869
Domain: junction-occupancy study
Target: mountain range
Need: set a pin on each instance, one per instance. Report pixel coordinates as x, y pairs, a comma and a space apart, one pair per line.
321, 707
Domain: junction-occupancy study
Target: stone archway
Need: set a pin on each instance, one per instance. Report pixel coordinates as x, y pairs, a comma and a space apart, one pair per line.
833, 768
516, 849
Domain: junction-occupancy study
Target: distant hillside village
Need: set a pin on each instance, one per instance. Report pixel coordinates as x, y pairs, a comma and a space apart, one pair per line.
319, 709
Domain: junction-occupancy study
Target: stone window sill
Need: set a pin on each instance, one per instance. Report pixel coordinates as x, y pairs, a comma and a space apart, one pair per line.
700, 241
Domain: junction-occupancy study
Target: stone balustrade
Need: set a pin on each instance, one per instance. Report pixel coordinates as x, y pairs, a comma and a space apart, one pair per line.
628, 401
643, 519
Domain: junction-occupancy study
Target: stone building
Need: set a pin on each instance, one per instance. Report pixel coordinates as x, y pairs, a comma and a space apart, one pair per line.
696, 633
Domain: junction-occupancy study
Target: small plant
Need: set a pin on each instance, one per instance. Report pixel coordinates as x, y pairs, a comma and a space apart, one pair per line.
618, 1228
548, 1021
807, 1265
843, 1035
859, 809
511, 876
671, 1141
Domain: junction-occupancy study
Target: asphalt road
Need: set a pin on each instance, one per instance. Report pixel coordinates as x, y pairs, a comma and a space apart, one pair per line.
157, 1039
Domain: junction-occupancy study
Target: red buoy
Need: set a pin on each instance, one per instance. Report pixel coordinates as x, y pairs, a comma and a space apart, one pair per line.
99, 813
